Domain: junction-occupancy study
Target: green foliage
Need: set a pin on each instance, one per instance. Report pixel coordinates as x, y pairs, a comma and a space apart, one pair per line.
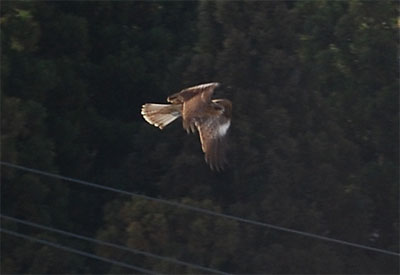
314, 136
171, 232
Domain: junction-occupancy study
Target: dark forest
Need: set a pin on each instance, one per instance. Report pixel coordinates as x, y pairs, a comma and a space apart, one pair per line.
313, 143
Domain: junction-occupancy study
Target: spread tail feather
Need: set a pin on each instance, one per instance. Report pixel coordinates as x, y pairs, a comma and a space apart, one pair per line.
160, 115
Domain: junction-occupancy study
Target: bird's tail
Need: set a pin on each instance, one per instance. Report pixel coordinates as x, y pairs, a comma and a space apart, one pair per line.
160, 115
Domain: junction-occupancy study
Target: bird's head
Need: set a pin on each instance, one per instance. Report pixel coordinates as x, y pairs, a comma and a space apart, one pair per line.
226, 106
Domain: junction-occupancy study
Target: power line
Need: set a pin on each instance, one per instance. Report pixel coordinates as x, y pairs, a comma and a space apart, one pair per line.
76, 251
137, 251
201, 210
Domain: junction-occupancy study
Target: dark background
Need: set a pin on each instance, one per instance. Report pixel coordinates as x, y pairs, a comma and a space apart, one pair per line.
314, 136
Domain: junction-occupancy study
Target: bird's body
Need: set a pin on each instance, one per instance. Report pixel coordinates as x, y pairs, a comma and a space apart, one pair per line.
211, 118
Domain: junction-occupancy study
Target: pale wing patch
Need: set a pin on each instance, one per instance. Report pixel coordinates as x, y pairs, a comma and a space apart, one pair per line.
213, 142
223, 128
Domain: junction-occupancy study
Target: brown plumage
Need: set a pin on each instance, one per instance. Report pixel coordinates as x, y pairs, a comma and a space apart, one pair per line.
210, 117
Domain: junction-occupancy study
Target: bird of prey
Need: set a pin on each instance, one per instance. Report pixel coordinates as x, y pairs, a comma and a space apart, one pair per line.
210, 117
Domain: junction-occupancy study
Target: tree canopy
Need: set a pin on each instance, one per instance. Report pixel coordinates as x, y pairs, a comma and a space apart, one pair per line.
313, 142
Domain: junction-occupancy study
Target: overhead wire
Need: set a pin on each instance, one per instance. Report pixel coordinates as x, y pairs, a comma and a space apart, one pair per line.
101, 242
76, 251
202, 210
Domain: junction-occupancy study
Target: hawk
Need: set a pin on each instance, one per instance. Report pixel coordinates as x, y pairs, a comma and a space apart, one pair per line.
210, 117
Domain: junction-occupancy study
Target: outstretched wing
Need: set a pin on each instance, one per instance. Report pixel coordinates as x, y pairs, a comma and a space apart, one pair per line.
205, 90
213, 131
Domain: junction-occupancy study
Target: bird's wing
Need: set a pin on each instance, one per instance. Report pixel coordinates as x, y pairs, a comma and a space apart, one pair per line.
213, 132
205, 90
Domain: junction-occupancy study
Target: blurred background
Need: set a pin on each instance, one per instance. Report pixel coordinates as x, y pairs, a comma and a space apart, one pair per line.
314, 136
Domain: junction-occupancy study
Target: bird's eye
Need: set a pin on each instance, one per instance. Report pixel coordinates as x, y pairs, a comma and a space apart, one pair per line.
218, 107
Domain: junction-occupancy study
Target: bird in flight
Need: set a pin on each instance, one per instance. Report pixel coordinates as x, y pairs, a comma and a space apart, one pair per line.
210, 117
